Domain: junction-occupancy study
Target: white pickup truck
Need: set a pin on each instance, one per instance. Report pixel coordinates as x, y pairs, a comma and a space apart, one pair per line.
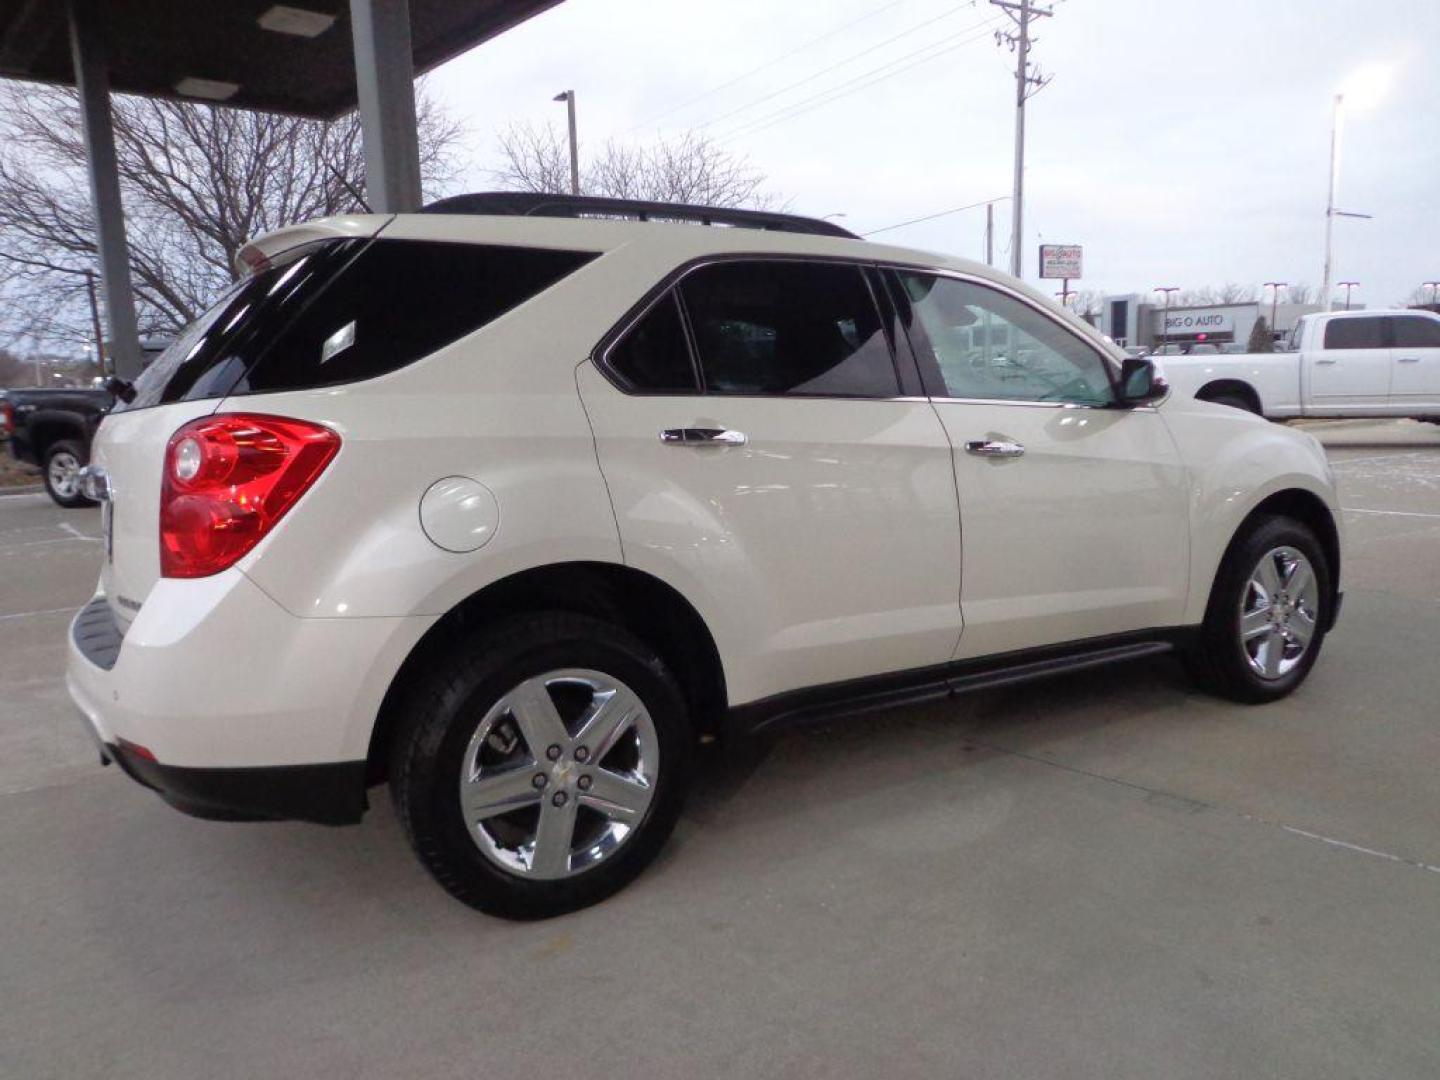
1342, 363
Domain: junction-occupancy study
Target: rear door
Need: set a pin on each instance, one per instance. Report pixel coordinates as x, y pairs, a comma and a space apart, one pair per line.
1415, 381
1075, 515
761, 457
1350, 372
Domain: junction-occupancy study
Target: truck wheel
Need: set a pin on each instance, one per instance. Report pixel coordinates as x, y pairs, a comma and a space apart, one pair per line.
1267, 614
541, 764
63, 462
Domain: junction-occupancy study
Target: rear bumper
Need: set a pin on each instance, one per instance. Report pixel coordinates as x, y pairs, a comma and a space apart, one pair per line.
328, 794
229, 706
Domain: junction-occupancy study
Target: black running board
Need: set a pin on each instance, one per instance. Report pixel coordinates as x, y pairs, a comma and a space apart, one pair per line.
858, 696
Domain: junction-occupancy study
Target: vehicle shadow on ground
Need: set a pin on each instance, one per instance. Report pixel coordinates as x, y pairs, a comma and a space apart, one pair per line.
937, 738
366, 878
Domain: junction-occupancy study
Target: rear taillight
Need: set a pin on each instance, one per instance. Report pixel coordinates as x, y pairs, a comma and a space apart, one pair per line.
228, 480
7, 420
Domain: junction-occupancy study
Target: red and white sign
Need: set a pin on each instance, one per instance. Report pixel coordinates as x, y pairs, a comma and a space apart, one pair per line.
1060, 261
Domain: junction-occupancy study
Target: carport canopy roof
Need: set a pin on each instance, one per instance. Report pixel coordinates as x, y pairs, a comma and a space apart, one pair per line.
292, 58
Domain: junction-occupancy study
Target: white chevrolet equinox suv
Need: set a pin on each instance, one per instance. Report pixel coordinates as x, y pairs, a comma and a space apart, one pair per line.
515, 501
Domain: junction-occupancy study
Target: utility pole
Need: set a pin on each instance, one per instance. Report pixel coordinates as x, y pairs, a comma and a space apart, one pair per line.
568, 97
1275, 287
1021, 12
989, 234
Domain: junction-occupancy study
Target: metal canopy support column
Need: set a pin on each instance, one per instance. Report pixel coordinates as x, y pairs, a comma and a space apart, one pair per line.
385, 81
87, 47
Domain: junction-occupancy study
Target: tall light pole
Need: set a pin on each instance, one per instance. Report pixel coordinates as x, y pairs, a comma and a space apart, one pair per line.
568, 97
1364, 88
1165, 319
1020, 12
1347, 286
1434, 287
1275, 287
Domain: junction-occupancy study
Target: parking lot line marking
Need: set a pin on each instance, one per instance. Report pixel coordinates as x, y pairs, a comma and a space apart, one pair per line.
76, 533
1389, 513
1362, 850
33, 614
1194, 805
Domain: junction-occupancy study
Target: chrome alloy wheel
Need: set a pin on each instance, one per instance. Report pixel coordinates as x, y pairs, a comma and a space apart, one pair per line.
1279, 612
559, 772
64, 474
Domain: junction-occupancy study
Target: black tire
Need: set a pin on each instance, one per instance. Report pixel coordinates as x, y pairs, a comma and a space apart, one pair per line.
1235, 401
1218, 660
444, 708
57, 452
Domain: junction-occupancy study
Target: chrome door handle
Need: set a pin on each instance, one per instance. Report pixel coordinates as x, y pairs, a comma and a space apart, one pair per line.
994, 448
1322, 360
1409, 359
702, 436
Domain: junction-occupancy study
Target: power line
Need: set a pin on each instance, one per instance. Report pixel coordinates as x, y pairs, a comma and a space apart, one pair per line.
860, 82
826, 70
766, 66
937, 214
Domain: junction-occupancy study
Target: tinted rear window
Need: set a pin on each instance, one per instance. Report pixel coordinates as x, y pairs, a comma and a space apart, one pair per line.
1365, 333
210, 354
653, 355
783, 327
400, 300
341, 311
1415, 332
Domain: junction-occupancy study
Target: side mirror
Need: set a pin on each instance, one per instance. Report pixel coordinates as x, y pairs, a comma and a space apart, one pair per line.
1140, 382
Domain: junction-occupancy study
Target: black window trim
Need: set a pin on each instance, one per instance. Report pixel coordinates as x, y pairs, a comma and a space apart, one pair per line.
600, 355
670, 284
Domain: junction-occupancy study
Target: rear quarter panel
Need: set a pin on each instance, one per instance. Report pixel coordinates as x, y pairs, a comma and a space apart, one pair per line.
499, 406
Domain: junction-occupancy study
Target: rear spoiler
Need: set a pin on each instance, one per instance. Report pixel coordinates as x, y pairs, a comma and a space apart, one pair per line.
258, 253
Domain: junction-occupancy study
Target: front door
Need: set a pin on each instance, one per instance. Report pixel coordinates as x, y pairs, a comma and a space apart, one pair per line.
760, 459
1074, 514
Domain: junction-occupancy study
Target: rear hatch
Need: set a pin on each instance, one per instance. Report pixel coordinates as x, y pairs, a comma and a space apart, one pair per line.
287, 270
321, 306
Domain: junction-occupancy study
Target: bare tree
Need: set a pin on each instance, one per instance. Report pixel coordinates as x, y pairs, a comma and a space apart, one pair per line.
1196, 297
1231, 293
1421, 296
1086, 301
1299, 293
691, 169
196, 181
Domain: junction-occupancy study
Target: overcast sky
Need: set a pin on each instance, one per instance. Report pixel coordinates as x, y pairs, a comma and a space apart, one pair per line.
1182, 142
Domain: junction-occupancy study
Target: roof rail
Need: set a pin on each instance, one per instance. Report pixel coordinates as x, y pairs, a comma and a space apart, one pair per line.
536, 204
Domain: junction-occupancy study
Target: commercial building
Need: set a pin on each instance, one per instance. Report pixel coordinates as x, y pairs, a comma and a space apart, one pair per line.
1136, 320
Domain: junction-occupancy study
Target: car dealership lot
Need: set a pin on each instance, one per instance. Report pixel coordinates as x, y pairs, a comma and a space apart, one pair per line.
1105, 875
